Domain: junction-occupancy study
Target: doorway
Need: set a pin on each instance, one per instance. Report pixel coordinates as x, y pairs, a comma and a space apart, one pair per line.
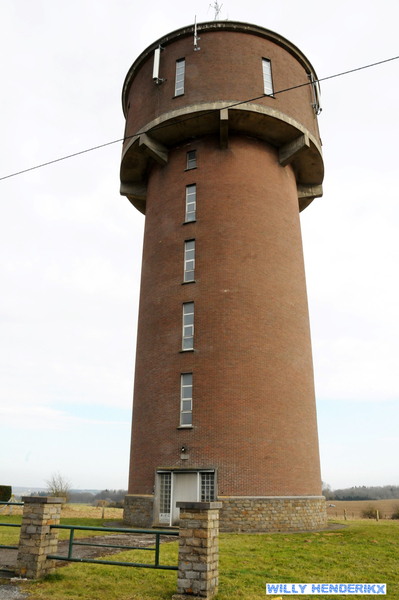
185, 489
180, 486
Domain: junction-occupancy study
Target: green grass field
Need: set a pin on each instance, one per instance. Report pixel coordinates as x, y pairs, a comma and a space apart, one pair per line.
363, 552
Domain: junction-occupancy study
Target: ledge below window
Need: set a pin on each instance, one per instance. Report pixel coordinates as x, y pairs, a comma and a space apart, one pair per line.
186, 282
187, 350
185, 427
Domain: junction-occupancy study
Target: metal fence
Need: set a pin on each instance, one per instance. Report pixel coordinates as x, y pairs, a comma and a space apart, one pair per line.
72, 543
10, 504
5, 546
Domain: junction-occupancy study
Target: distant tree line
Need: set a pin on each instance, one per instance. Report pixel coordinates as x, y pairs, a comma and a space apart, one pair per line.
111, 497
384, 492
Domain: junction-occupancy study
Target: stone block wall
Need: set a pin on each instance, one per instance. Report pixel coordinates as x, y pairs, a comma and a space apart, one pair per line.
296, 513
242, 513
138, 511
37, 540
198, 573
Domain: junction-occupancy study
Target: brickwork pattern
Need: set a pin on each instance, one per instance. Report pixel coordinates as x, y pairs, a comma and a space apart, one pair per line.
198, 573
37, 539
138, 511
252, 364
273, 514
254, 415
228, 68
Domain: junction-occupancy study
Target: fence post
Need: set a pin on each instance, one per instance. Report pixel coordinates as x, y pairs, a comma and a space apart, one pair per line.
198, 573
37, 539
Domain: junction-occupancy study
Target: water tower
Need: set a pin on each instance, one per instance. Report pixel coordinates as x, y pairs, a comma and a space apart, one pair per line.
221, 165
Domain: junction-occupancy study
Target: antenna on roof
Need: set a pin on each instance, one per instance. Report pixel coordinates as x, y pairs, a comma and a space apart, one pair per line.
217, 8
316, 95
196, 38
155, 71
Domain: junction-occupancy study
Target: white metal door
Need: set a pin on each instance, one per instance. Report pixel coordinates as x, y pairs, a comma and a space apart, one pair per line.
184, 489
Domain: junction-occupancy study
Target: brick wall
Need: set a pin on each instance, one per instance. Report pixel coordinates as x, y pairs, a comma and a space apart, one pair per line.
254, 416
228, 68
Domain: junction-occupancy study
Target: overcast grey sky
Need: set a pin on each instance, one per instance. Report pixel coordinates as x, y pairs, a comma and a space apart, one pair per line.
71, 245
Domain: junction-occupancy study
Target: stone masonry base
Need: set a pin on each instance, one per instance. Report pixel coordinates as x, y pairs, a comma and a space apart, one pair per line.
246, 514
138, 511
198, 573
287, 513
37, 539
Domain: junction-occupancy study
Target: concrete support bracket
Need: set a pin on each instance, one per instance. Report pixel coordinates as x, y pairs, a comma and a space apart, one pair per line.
310, 191
198, 573
154, 149
307, 193
37, 539
224, 128
291, 150
136, 194
135, 190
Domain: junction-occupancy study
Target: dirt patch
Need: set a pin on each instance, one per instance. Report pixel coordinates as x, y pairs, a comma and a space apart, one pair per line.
354, 508
12, 592
85, 511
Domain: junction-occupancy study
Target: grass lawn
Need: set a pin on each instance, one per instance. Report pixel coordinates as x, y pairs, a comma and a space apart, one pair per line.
363, 552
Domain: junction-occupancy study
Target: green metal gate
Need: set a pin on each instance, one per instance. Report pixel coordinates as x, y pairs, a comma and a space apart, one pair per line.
72, 543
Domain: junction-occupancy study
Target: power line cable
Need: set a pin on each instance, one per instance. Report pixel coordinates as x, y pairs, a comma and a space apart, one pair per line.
163, 125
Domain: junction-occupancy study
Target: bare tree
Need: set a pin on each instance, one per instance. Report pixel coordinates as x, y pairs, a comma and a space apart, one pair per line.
59, 486
327, 491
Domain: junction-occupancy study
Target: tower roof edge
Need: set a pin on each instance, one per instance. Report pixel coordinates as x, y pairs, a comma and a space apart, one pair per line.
235, 26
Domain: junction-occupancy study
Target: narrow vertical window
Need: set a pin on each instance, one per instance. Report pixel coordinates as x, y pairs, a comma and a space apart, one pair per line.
186, 407
188, 326
267, 76
180, 69
189, 260
207, 487
191, 196
192, 159
165, 486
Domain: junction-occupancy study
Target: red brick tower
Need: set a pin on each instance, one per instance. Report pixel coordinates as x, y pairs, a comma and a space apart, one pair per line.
221, 165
